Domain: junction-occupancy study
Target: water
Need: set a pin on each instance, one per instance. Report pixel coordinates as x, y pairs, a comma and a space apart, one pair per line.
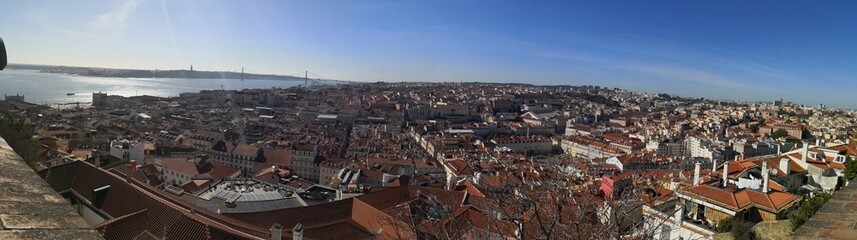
51, 88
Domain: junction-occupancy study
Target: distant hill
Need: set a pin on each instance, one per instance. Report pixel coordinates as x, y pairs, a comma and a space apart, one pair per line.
137, 73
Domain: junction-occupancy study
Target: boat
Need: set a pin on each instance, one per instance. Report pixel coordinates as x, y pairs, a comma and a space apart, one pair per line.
69, 94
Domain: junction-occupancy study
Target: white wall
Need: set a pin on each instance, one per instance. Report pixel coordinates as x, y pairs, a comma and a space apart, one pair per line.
91, 217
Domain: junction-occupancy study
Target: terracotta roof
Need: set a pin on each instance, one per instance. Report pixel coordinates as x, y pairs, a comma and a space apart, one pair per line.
459, 167
269, 176
221, 171
280, 157
388, 198
776, 186
464, 220
773, 201
194, 186
836, 165
850, 150
818, 164
123, 227
243, 149
182, 165
372, 174
300, 184
774, 163
659, 195
470, 189
740, 166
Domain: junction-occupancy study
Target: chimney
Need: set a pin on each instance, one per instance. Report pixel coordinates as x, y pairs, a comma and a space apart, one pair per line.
817, 142
725, 174
779, 151
785, 166
132, 165
277, 231
736, 157
98, 161
450, 182
765, 173
713, 166
298, 232
804, 151
696, 179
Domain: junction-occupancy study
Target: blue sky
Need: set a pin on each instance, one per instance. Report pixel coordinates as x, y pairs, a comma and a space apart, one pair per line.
743, 50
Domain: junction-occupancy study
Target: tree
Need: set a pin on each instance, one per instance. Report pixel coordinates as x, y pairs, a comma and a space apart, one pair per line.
558, 207
755, 128
527, 206
779, 133
808, 208
850, 169
725, 225
19, 135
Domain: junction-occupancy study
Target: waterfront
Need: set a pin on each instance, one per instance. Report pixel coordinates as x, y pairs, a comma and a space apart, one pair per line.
51, 88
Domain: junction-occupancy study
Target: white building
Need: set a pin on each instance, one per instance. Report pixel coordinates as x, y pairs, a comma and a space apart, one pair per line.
701, 148
128, 150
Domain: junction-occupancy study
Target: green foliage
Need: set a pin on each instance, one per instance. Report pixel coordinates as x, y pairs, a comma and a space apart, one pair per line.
740, 231
808, 208
779, 133
19, 135
850, 169
725, 225
755, 128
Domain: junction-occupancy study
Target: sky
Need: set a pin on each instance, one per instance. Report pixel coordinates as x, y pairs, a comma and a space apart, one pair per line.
739, 50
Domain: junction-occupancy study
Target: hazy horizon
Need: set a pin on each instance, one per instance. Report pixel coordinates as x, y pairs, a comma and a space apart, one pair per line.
744, 51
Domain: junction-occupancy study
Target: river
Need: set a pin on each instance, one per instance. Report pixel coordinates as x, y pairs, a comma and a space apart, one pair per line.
51, 88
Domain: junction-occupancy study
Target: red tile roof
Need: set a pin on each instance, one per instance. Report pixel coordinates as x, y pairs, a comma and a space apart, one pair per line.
221, 171
773, 201
279, 157
459, 167
123, 227
850, 150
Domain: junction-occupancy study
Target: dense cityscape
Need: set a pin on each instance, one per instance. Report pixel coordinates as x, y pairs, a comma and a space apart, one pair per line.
428, 120
436, 161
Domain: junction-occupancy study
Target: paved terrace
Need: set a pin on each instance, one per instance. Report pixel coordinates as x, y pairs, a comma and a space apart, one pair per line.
30, 209
837, 219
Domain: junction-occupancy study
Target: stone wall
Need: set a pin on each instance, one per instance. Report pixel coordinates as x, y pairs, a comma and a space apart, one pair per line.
837, 219
30, 209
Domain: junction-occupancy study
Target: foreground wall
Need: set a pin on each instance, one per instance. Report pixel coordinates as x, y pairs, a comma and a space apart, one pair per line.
837, 219
30, 209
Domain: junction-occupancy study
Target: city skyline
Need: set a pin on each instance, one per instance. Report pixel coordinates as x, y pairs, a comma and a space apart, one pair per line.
725, 50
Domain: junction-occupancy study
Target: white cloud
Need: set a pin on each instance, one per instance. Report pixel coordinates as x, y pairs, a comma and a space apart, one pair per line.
116, 19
